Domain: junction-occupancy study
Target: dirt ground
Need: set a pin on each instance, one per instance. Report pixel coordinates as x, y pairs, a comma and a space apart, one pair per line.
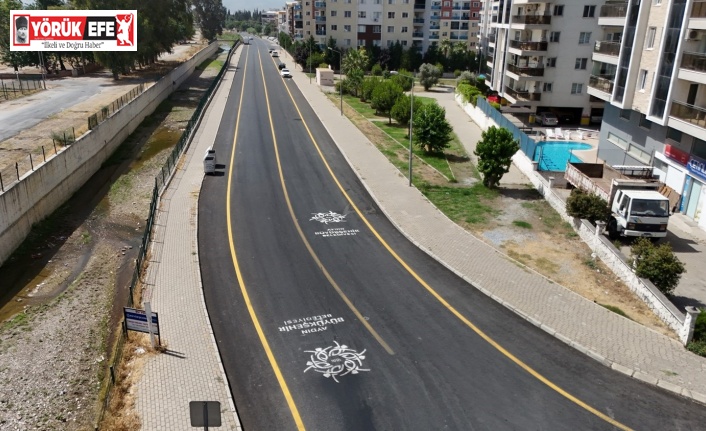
69, 281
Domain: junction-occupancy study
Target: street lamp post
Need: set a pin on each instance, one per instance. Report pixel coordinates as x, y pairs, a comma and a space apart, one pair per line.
411, 119
340, 74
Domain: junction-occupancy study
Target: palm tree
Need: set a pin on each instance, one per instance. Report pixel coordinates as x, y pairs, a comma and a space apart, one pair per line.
445, 47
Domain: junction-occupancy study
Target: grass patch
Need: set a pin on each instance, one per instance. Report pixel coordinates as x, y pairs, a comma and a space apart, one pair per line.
462, 204
520, 257
546, 266
591, 263
522, 224
697, 347
615, 310
362, 108
211, 63
19, 321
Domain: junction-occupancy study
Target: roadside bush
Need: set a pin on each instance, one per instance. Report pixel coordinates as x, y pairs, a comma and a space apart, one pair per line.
467, 77
495, 105
400, 110
457, 73
698, 342
402, 81
384, 96
587, 206
658, 264
376, 70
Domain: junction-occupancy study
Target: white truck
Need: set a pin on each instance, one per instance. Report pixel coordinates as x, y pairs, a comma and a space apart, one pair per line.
638, 209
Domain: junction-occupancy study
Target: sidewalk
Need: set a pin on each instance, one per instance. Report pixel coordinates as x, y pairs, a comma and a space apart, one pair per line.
614, 341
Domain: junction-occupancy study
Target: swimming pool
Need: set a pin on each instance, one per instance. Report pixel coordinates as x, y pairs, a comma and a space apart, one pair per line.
554, 155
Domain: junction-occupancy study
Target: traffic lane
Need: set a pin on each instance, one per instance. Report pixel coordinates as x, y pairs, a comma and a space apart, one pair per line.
568, 377
250, 376
421, 402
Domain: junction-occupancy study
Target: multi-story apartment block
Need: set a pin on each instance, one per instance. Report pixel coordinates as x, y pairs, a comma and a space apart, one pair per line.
539, 55
649, 66
382, 23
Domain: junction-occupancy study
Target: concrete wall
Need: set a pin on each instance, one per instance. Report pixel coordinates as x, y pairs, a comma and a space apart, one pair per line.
599, 244
40, 192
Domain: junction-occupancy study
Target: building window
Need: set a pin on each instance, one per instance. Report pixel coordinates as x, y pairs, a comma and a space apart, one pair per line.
362, 14
650, 39
334, 27
644, 123
347, 28
361, 42
390, 43
639, 154
624, 114
446, 14
642, 79
584, 37
404, 43
361, 29
581, 63
404, 29
348, 42
377, 29
334, 12
576, 88
390, 1
551, 62
554, 36
589, 11
390, 29
347, 14
405, 15
547, 87
658, 2
559, 10
674, 135
391, 15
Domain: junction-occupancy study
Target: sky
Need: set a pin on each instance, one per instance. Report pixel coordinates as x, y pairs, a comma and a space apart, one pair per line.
234, 5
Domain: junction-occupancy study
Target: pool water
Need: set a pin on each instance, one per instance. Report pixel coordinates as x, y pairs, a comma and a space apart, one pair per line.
554, 155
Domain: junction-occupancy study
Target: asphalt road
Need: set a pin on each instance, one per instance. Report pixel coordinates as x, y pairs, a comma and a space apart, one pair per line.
328, 319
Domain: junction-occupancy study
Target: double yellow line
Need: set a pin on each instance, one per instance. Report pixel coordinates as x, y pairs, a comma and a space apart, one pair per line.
436, 295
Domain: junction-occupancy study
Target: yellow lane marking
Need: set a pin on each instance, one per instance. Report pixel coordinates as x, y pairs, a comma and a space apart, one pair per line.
448, 306
268, 351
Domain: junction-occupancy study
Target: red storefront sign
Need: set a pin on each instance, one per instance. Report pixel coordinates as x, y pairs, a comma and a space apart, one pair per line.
675, 153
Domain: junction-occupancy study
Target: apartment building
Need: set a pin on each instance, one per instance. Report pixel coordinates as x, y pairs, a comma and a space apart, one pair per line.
382, 23
539, 55
649, 66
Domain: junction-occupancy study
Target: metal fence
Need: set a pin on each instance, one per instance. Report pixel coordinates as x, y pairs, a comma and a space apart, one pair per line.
114, 106
527, 144
13, 88
160, 182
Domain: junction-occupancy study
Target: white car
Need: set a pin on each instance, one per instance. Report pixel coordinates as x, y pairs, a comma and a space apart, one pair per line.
285, 73
275, 54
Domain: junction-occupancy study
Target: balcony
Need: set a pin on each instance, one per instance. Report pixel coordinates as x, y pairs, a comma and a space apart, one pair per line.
532, 19
525, 71
614, 10
321, 32
689, 113
433, 37
320, 5
418, 20
320, 19
418, 34
421, 6
436, 7
528, 45
523, 95
464, 26
607, 47
693, 61
435, 27
298, 6
602, 83
435, 17
298, 17
491, 38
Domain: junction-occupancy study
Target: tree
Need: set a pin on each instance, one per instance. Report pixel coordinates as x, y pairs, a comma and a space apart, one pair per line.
211, 16
494, 152
587, 206
355, 59
445, 47
401, 109
431, 131
354, 81
658, 264
429, 75
402, 79
385, 94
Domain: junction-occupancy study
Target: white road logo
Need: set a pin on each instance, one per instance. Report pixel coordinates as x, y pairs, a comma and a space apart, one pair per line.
335, 361
329, 217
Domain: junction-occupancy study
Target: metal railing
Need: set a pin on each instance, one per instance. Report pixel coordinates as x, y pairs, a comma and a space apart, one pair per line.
607, 47
523, 95
613, 10
528, 45
525, 71
689, 113
694, 61
604, 84
532, 19
114, 106
14, 88
527, 144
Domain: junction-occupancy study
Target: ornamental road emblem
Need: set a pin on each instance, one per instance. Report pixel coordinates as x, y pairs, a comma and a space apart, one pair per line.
329, 217
335, 361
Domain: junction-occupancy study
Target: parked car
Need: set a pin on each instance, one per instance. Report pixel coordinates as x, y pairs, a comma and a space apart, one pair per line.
282, 66
285, 73
547, 119
275, 54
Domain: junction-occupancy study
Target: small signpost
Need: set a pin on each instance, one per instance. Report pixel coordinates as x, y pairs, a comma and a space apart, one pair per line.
205, 414
136, 320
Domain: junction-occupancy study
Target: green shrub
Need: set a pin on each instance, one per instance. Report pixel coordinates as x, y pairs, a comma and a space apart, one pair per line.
658, 264
469, 92
376, 70
400, 110
457, 73
403, 81
368, 87
587, 206
495, 105
386, 74
697, 347
700, 327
